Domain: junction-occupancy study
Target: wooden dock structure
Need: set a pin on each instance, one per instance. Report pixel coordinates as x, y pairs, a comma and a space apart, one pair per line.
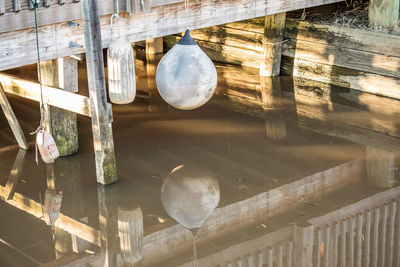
71, 27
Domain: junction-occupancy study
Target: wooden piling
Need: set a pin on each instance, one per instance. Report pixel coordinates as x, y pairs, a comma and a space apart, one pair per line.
154, 53
270, 66
12, 120
101, 123
272, 44
383, 13
108, 224
61, 124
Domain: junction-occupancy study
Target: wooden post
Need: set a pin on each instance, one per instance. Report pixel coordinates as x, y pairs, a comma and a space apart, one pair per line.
61, 124
270, 66
303, 239
383, 13
380, 167
108, 224
12, 120
154, 53
101, 123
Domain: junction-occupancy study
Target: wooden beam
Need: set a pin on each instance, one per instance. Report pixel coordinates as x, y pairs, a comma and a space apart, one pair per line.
64, 222
383, 13
12, 119
17, 48
61, 124
101, 125
52, 95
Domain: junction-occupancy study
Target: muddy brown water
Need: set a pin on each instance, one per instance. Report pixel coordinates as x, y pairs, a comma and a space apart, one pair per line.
306, 199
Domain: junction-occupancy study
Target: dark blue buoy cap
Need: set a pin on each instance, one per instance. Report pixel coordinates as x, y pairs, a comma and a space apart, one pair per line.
187, 39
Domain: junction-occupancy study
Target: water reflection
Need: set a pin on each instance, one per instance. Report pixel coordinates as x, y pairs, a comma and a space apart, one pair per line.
190, 194
310, 199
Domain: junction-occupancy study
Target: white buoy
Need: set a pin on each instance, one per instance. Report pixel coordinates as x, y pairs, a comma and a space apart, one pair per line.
121, 71
186, 77
189, 195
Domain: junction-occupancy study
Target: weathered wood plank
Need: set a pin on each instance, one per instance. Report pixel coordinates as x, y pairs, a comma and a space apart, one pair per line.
103, 142
53, 13
343, 77
344, 37
12, 119
17, 48
52, 96
348, 58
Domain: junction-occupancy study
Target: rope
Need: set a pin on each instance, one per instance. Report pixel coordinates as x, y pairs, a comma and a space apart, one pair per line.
112, 18
186, 13
35, 4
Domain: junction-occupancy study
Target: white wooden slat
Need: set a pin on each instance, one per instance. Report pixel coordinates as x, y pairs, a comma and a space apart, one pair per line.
260, 259
382, 252
392, 221
319, 243
375, 238
368, 238
343, 240
327, 245
359, 238
335, 244
351, 241
280, 255
270, 259
289, 254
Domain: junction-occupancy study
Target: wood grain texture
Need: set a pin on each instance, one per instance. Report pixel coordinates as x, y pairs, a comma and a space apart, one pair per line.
53, 96
272, 44
12, 119
363, 81
17, 48
103, 142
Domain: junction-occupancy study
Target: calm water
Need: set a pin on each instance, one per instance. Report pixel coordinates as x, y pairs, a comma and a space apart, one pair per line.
257, 187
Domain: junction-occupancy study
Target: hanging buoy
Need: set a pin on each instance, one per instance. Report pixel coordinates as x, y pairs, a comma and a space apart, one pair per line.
44, 141
189, 195
121, 70
186, 77
46, 146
